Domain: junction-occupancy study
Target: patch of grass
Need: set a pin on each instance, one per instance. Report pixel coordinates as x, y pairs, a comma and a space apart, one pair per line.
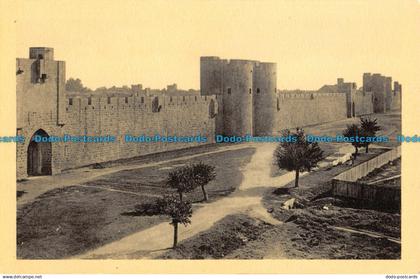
68, 221
152, 180
71, 220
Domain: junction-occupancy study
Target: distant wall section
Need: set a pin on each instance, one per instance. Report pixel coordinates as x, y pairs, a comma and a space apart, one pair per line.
298, 109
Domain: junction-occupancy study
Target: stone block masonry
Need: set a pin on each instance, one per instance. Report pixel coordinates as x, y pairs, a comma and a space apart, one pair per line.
308, 108
44, 108
136, 115
237, 97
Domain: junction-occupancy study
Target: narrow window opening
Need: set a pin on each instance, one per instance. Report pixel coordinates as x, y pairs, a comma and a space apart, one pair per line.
155, 105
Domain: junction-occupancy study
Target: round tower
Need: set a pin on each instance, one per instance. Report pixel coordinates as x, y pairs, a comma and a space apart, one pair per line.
211, 83
264, 98
211, 75
237, 97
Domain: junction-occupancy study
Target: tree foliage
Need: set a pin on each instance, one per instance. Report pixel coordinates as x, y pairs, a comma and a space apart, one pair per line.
354, 130
179, 211
202, 175
181, 180
299, 155
187, 178
369, 128
76, 85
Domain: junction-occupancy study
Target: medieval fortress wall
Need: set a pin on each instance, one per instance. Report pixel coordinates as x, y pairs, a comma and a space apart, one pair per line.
237, 97
136, 116
45, 108
298, 109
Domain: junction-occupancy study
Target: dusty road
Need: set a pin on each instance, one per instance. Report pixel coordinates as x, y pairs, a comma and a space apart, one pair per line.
246, 199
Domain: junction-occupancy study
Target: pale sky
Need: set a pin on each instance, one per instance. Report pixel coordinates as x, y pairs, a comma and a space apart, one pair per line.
156, 43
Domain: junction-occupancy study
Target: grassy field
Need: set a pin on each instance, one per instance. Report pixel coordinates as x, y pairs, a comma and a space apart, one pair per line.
390, 124
67, 221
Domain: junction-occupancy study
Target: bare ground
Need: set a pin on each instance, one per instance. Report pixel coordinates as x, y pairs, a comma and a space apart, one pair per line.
246, 199
238, 227
70, 220
315, 231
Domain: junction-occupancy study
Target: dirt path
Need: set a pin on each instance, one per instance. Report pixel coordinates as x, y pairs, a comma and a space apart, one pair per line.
36, 186
247, 199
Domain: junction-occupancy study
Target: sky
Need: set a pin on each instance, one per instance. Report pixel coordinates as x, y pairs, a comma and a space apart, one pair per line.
155, 43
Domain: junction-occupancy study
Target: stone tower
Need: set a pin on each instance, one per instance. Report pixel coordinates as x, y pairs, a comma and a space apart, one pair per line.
381, 88
265, 98
246, 91
41, 110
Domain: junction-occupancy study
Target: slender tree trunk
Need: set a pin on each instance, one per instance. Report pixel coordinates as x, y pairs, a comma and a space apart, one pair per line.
206, 198
367, 148
180, 196
297, 178
357, 152
175, 224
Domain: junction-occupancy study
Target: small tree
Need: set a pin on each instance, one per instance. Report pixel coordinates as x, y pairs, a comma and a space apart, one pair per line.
369, 128
179, 211
202, 175
182, 180
354, 130
297, 156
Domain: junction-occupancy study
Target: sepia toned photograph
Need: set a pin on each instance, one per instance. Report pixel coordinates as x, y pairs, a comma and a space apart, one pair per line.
212, 130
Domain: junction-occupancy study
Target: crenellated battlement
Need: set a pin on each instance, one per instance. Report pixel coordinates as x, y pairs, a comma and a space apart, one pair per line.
136, 102
298, 94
